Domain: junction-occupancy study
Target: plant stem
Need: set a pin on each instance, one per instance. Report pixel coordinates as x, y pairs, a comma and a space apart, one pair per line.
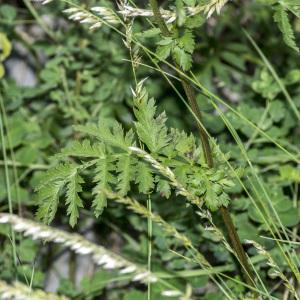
8, 190
149, 245
39, 20
189, 91
190, 94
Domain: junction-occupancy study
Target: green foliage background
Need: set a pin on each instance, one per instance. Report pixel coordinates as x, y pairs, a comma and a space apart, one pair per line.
247, 58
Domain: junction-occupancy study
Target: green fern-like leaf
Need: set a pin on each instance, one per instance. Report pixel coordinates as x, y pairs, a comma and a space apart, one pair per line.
173, 162
144, 178
57, 173
163, 52
110, 135
183, 58
103, 179
164, 48
187, 42
83, 149
126, 173
182, 145
182, 173
282, 20
48, 198
73, 200
49, 189
163, 187
214, 199
151, 130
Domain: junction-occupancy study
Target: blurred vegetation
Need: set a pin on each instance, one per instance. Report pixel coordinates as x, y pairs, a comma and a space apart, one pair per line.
246, 57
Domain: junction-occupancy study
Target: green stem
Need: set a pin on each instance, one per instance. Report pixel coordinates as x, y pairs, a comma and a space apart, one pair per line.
149, 245
158, 18
39, 20
8, 190
190, 94
189, 91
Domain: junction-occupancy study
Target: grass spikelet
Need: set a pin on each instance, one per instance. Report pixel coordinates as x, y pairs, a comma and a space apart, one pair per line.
276, 272
101, 256
19, 291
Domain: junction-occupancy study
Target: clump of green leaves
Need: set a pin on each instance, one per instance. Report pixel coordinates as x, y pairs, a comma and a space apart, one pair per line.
282, 9
171, 159
282, 19
85, 80
179, 47
181, 43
